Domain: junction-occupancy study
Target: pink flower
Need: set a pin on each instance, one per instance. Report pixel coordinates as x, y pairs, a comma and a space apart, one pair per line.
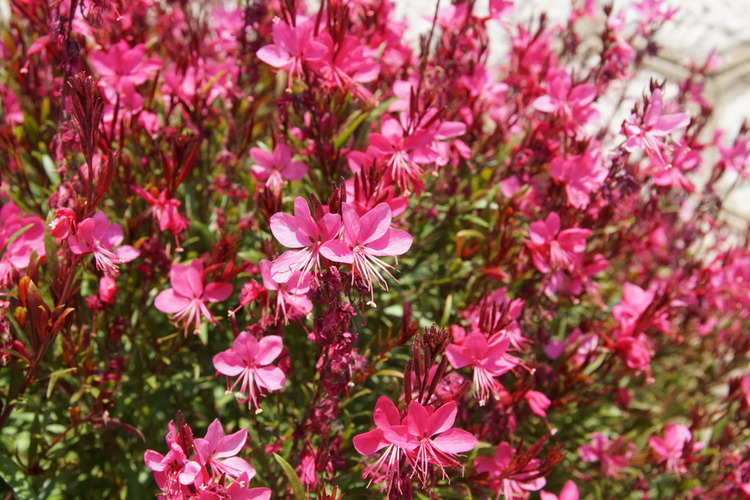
63, 224
20, 236
573, 105
635, 300
277, 166
568, 492
218, 451
291, 296
610, 453
581, 174
425, 436
538, 403
173, 471
513, 484
165, 210
239, 490
552, 249
432, 438
488, 358
107, 289
300, 231
123, 68
672, 446
365, 239
249, 358
187, 298
291, 47
649, 133
97, 236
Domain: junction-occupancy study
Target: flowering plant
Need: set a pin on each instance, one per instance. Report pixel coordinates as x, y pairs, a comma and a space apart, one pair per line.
389, 268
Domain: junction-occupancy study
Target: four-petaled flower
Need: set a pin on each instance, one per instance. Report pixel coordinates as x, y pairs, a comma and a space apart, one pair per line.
249, 358
365, 239
274, 167
488, 358
292, 46
218, 451
97, 236
187, 298
552, 249
672, 446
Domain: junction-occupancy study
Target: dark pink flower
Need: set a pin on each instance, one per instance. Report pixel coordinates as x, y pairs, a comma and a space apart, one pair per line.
274, 167
572, 105
187, 298
552, 249
365, 239
123, 68
107, 289
165, 210
20, 236
63, 224
97, 236
515, 484
647, 135
292, 47
300, 231
538, 402
581, 174
248, 360
173, 472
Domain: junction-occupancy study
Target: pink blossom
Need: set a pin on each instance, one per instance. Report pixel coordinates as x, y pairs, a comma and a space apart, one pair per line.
649, 133
173, 471
635, 300
581, 174
165, 210
218, 451
365, 239
63, 224
123, 68
538, 402
672, 446
347, 64
512, 485
97, 236
292, 47
107, 289
387, 422
569, 492
304, 232
249, 358
291, 296
274, 167
187, 298
572, 105
552, 249
488, 358
239, 490
609, 453
20, 236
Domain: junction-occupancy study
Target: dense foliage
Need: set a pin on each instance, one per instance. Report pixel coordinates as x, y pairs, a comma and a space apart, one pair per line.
325, 261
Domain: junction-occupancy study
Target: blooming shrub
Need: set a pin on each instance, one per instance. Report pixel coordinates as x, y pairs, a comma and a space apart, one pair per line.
363, 266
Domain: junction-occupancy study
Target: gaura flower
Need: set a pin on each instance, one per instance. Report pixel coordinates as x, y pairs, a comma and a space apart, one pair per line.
97, 236
248, 359
187, 298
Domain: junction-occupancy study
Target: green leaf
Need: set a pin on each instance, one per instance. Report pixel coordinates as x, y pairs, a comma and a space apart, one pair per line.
14, 477
298, 490
56, 375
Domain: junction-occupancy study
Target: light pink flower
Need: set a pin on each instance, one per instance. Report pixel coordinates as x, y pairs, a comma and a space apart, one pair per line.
364, 240
97, 236
187, 298
387, 422
291, 296
122, 69
304, 232
239, 490
612, 454
572, 105
538, 403
581, 174
248, 359
274, 167
20, 236
218, 451
488, 358
173, 471
672, 446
